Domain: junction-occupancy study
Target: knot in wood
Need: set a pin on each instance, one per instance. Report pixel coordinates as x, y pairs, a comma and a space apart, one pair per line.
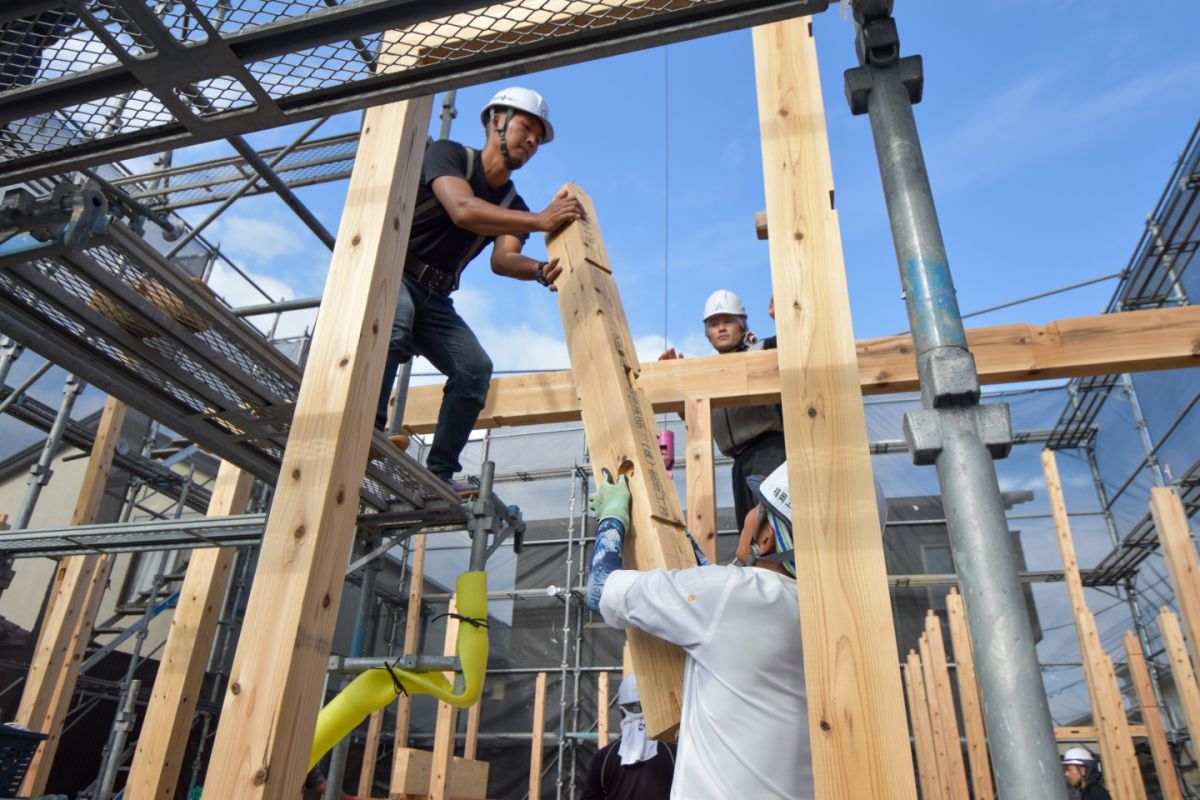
235, 688
356, 240
260, 777
325, 601
825, 726
300, 531
296, 474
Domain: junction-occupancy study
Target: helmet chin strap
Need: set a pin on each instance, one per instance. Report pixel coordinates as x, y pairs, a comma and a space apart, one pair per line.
502, 132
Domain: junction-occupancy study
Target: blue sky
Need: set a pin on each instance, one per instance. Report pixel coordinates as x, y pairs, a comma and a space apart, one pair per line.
1049, 128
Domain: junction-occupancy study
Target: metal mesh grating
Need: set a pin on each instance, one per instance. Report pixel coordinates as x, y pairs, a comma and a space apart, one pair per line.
125, 77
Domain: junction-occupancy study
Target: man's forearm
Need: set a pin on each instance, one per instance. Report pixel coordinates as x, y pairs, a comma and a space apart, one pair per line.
515, 265
606, 559
488, 219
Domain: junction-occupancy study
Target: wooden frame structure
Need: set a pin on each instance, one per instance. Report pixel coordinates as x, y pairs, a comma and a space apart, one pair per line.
819, 375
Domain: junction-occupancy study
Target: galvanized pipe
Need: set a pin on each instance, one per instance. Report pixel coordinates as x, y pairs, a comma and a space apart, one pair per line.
40, 472
24, 386
10, 351
1017, 715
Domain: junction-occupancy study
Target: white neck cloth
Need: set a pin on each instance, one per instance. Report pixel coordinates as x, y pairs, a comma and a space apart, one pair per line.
635, 745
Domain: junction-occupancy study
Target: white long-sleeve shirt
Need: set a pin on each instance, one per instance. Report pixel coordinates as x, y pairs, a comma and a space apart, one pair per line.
744, 729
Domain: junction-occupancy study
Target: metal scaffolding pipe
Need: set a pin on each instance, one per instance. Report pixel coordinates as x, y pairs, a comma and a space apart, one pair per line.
40, 473
280, 188
953, 431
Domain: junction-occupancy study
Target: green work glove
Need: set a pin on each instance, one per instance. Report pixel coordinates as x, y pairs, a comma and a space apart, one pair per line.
611, 501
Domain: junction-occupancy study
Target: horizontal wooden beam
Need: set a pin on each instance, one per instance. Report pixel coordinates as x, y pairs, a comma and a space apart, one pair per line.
1133, 341
1090, 733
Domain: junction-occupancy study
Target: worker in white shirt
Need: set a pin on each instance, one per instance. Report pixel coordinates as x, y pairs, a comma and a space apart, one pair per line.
744, 726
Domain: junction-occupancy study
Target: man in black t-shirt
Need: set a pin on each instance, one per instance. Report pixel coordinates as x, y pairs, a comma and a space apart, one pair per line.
634, 767
466, 199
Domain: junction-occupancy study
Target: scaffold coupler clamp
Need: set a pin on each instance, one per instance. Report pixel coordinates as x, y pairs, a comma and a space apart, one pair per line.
950, 387
70, 216
878, 47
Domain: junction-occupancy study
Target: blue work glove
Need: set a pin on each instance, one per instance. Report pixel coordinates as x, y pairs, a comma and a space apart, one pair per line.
611, 501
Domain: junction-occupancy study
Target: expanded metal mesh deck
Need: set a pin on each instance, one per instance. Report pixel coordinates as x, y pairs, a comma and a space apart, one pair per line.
126, 320
91, 81
319, 161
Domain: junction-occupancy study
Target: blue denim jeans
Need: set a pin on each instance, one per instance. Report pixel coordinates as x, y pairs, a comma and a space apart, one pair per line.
426, 324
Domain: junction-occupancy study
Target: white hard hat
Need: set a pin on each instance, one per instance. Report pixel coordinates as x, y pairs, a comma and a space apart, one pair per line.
628, 692
521, 99
723, 301
1079, 756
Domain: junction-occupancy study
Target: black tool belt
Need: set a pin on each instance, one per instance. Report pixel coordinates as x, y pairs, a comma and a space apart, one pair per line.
430, 276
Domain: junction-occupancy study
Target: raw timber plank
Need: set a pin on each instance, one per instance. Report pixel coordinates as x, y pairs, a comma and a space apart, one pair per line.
270, 709
537, 742
968, 696
855, 696
1171, 524
918, 714
78, 585
701, 491
1160, 750
940, 671
412, 634
468, 779
1090, 733
366, 774
1132, 341
602, 710
1184, 674
446, 726
1123, 775
167, 723
623, 438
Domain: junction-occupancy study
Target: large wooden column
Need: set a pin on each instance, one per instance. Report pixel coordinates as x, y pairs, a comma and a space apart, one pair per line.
1171, 524
78, 586
270, 710
701, 491
1160, 750
602, 710
968, 696
1123, 776
856, 710
168, 719
623, 438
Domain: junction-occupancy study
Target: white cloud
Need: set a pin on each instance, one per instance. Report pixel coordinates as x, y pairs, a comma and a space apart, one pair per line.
263, 237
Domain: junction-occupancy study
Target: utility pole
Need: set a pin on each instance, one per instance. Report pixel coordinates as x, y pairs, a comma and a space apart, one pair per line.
953, 431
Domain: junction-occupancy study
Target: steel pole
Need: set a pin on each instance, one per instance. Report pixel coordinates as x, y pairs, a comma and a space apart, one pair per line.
953, 431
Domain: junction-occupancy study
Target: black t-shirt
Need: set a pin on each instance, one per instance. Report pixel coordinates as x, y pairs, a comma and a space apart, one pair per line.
645, 780
434, 239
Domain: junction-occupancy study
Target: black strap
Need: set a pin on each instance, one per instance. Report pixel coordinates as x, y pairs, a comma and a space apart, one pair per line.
478, 623
391, 670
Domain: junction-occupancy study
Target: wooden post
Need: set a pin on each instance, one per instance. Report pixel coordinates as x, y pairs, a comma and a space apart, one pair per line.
412, 632
366, 775
937, 722
75, 594
536, 744
471, 743
945, 696
1160, 750
918, 714
602, 710
1123, 774
856, 710
1171, 524
968, 696
164, 735
701, 491
1184, 674
623, 438
447, 723
270, 710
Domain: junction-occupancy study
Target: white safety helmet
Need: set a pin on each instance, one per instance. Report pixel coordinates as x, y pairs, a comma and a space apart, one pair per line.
723, 301
520, 99
1079, 756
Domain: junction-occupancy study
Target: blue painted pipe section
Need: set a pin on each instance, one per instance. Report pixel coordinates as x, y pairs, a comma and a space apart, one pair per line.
932, 303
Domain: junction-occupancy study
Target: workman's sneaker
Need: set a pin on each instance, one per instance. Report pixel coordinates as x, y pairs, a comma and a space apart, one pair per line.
401, 440
461, 488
